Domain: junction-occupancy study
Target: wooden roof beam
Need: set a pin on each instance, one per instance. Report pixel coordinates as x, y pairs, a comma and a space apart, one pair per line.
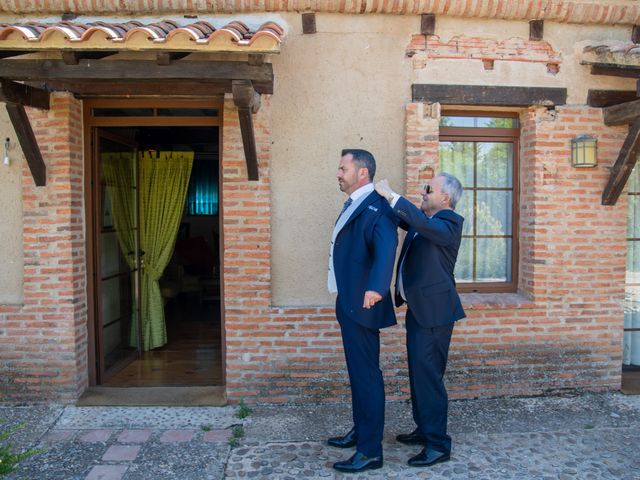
622, 113
21, 94
28, 142
615, 70
73, 57
37, 70
606, 98
17, 96
165, 58
13, 53
625, 162
247, 100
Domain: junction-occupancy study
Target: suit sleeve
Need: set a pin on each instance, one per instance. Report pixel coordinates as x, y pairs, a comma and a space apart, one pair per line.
385, 243
441, 231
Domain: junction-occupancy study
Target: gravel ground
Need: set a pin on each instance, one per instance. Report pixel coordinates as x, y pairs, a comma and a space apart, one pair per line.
589, 436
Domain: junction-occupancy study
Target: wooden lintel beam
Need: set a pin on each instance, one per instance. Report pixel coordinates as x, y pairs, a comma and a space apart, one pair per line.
247, 100
488, 95
27, 139
606, 98
21, 94
165, 58
622, 113
625, 162
73, 57
36, 70
615, 70
127, 88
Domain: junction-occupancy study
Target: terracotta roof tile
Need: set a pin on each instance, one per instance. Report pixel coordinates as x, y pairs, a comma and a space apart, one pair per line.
134, 35
618, 53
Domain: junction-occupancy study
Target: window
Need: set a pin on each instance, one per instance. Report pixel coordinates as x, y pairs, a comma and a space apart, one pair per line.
631, 353
482, 151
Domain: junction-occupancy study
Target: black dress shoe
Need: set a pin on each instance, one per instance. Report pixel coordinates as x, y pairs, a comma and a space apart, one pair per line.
428, 457
348, 441
413, 438
359, 462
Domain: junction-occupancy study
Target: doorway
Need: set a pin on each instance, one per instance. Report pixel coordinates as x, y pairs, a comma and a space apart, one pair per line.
155, 202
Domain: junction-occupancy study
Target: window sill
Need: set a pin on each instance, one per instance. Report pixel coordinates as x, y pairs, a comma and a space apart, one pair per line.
495, 301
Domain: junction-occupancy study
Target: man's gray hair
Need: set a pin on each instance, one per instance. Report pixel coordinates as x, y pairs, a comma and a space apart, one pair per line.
452, 187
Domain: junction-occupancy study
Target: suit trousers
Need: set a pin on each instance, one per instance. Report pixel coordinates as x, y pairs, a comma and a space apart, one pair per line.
362, 353
428, 350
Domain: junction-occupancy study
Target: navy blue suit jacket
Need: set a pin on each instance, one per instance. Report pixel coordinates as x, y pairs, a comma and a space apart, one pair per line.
363, 257
429, 260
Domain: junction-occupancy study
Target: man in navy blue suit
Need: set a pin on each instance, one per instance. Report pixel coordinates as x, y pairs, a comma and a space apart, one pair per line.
363, 248
425, 281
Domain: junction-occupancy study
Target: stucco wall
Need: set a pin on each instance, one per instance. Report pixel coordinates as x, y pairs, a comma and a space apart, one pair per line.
343, 87
11, 253
348, 85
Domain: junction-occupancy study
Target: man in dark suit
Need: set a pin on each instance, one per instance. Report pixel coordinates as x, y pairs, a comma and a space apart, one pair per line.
361, 259
424, 280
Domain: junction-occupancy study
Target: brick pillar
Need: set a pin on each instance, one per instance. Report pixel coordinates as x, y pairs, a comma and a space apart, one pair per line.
43, 354
246, 210
421, 139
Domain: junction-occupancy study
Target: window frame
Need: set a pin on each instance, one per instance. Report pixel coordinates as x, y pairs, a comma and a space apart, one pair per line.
501, 135
629, 240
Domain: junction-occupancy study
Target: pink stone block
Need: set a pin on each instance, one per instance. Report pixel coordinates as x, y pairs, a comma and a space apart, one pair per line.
94, 436
107, 472
177, 436
121, 453
134, 436
217, 436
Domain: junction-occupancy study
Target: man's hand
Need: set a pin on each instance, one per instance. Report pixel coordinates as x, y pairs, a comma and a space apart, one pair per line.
370, 299
384, 189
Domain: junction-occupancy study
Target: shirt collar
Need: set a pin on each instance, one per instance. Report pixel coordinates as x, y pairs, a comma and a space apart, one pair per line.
363, 190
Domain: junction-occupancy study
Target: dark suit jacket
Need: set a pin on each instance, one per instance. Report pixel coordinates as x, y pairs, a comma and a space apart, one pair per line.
429, 260
363, 257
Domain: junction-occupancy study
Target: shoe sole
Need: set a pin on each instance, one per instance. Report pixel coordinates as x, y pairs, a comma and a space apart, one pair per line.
440, 460
373, 466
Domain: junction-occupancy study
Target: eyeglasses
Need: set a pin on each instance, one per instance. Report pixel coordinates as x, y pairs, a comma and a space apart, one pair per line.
427, 189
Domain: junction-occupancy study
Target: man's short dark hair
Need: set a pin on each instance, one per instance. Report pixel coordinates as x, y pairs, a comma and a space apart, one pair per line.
364, 159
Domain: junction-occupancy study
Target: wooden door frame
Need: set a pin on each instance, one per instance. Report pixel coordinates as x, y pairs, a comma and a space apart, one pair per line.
90, 124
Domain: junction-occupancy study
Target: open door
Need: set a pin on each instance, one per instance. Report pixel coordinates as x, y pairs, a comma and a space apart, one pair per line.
118, 256
119, 136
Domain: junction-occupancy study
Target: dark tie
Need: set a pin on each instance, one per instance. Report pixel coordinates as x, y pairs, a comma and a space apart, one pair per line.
346, 205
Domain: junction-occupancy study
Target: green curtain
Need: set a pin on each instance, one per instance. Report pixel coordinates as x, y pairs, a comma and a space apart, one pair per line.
164, 178
119, 175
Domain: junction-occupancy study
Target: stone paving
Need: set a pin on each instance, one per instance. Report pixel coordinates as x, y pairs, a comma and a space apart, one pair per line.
593, 436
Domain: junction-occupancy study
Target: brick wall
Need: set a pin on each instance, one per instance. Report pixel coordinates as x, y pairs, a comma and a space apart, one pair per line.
246, 217
619, 12
563, 329
43, 343
424, 48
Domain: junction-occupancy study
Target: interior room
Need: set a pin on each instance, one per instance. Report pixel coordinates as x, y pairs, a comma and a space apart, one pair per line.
189, 284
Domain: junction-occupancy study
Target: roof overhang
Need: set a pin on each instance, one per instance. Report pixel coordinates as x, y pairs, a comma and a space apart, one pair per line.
165, 36
81, 58
618, 59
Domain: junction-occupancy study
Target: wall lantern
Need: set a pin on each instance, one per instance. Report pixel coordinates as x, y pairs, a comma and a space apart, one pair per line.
6, 160
584, 149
